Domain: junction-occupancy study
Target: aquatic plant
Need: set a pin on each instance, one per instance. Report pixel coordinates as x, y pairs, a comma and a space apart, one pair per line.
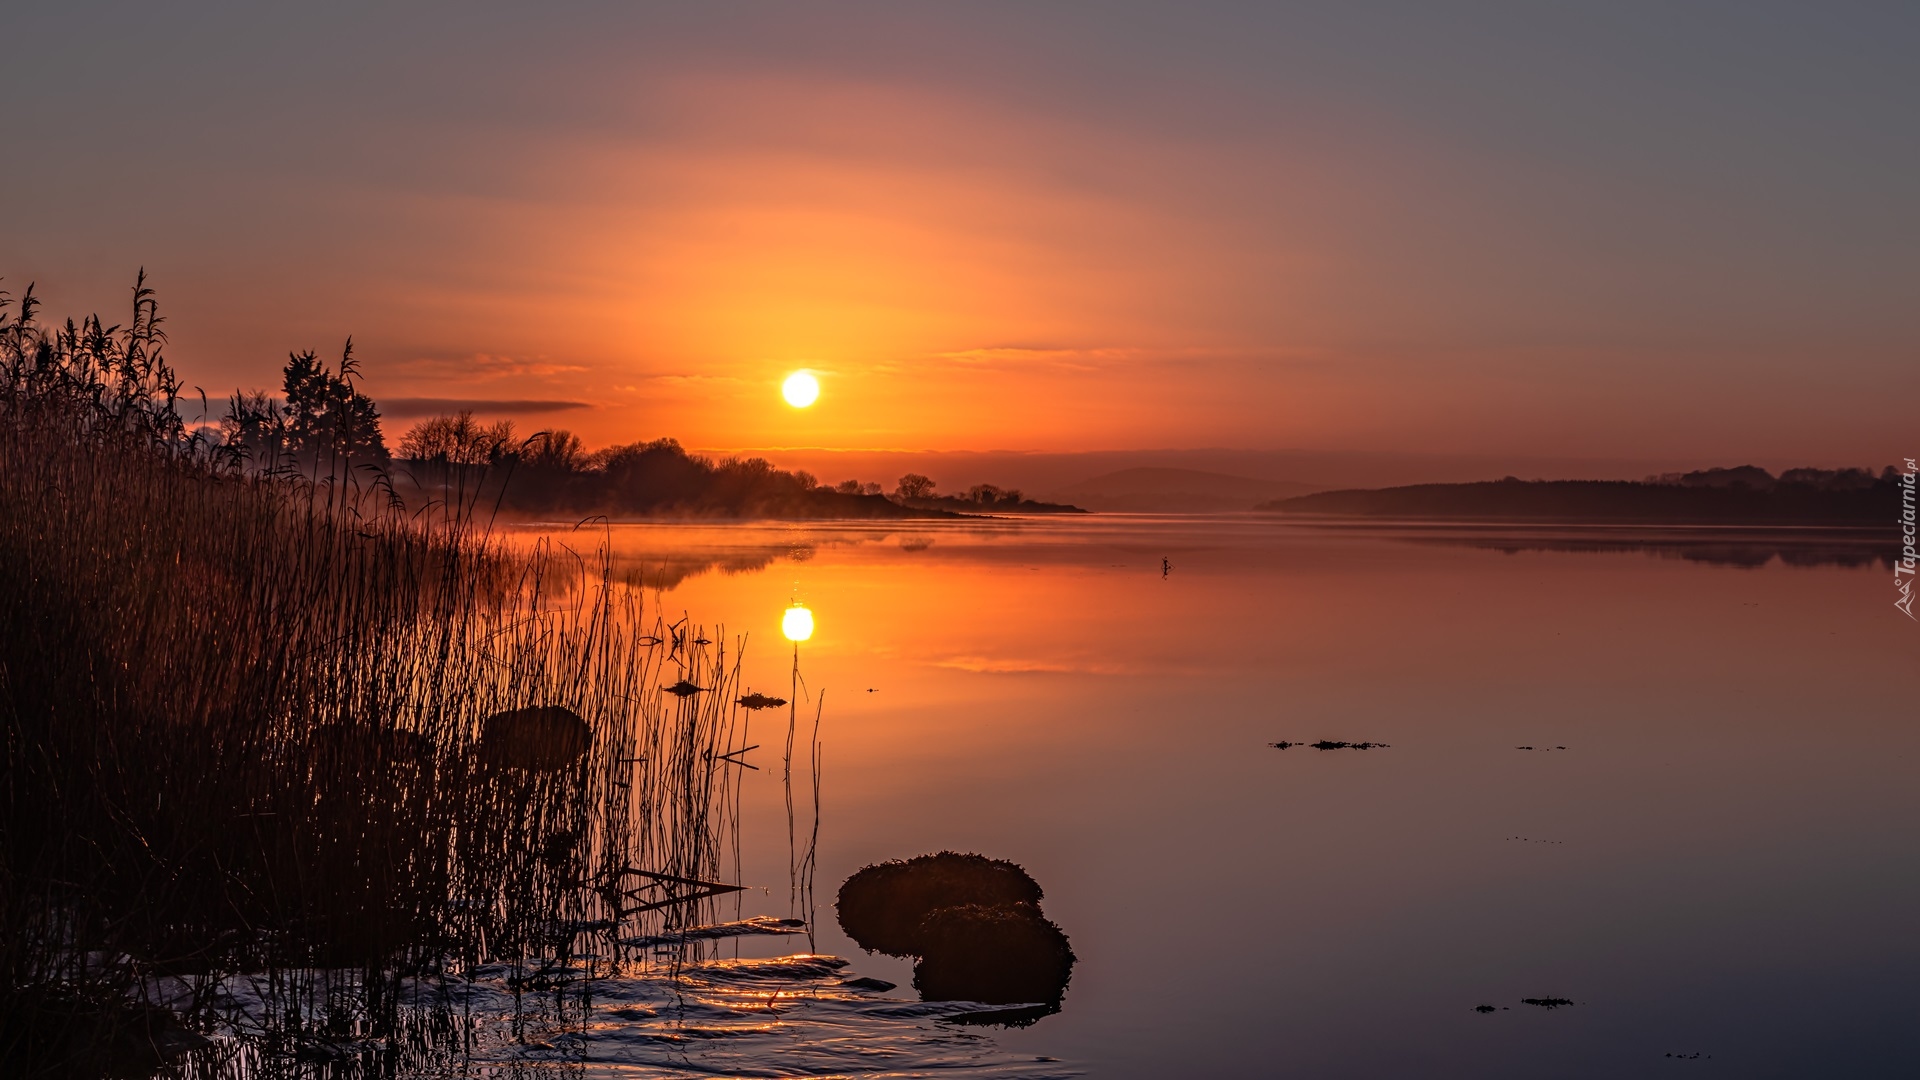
974, 923
998, 954
883, 907
266, 717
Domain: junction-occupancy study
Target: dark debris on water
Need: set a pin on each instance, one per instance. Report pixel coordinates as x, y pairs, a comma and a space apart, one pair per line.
879, 986
1331, 744
1547, 1003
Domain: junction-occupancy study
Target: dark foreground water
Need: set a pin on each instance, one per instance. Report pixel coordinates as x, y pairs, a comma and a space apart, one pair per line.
1667, 777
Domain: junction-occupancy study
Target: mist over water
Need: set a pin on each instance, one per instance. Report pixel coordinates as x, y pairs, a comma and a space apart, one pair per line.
1720, 861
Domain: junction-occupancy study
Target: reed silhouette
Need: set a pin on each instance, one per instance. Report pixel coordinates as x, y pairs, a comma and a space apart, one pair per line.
263, 719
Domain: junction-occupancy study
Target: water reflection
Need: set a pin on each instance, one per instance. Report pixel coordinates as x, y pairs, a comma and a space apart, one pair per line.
1847, 548
796, 625
795, 1015
1108, 729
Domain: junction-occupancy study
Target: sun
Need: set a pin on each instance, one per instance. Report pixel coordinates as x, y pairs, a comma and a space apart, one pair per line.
801, 389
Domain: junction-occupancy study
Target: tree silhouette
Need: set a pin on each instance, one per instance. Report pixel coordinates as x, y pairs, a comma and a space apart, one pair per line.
325, 415
914, 486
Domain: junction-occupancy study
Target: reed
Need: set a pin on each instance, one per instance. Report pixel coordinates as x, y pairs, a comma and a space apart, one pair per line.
242, 709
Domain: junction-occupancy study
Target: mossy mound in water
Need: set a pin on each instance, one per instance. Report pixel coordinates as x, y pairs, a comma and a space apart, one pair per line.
883, 907
974, 923
545, 738
998, 955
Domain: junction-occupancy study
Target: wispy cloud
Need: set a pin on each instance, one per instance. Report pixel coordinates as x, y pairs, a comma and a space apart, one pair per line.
1028, 357
997, 665
1084, 358
483, 367
407, 407
693, 379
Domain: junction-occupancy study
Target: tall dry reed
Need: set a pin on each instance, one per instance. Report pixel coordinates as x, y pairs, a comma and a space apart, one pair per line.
242, 708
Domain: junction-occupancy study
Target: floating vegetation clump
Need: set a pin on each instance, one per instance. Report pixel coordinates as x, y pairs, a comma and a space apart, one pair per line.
544, 738
997, 954
975, 925
1330, 744
263, 723
882, 907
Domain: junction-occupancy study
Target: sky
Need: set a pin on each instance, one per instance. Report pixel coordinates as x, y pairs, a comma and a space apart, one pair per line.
1681, 232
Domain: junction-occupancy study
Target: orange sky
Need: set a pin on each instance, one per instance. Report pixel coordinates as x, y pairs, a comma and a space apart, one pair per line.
1014, 228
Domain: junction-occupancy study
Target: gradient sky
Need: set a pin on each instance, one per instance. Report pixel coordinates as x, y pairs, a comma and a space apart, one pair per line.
1625, 230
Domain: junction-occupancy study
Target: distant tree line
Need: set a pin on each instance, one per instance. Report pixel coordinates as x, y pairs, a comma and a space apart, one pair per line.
551, 472
322, 421
1754, 478
1743, 495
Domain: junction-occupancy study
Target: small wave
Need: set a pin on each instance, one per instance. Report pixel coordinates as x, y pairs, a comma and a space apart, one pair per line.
791, 1017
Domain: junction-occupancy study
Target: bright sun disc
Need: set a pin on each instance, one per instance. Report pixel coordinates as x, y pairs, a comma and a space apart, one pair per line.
797, 623
800, 389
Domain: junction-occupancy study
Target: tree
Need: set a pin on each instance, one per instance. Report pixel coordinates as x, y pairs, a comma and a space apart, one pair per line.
988, 494
459, 439
255, 427
555, 451
325, 414
914, 486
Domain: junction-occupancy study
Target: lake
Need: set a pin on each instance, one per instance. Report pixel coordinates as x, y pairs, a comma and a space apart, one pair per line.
1667, 776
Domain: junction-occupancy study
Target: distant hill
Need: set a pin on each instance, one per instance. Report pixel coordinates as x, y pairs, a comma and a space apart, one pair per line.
1175, 491
1748, 496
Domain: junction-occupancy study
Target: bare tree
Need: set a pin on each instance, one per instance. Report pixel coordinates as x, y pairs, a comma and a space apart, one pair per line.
914, 486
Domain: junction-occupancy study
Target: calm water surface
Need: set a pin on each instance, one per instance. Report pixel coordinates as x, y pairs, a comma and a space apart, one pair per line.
1723, 860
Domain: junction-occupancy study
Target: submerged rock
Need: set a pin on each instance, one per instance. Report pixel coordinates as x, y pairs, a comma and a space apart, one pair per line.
545, 738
